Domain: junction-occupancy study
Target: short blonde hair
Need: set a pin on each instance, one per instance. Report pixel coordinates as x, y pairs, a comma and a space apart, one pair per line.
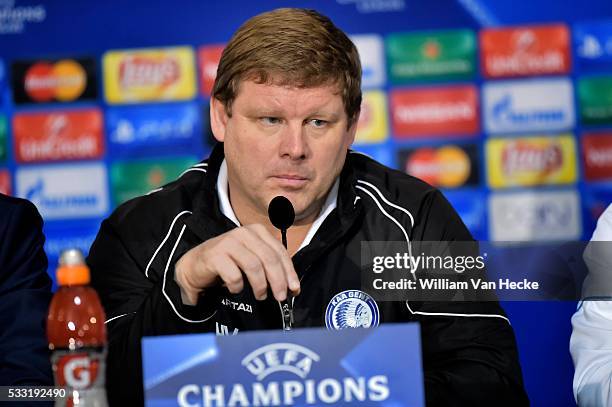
290, 46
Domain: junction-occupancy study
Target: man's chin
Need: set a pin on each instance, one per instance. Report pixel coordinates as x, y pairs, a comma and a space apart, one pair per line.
302, 204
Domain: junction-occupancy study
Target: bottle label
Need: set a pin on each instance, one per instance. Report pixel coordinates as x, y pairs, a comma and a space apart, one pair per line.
78, 370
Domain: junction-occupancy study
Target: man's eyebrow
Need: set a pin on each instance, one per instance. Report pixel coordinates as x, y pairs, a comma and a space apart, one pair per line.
263, 111
273, 112
325, 115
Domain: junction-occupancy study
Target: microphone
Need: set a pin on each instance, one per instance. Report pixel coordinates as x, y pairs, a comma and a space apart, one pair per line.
282, 215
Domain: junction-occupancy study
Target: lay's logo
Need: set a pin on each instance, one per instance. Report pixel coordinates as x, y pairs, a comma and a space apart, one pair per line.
145, 70
149, 75
531, 161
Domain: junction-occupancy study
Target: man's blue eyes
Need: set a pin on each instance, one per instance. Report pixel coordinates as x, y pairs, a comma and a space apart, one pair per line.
275, 120
318, 123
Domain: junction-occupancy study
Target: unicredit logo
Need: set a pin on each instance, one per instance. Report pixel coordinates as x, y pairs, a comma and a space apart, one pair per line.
56, 146
519, 63
295, 360
148, 71
58, 136
525, 58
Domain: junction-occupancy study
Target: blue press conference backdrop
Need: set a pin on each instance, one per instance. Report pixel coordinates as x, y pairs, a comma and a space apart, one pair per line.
507, 107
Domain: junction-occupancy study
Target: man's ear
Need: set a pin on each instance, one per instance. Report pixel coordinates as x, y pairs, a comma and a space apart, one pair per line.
218, 119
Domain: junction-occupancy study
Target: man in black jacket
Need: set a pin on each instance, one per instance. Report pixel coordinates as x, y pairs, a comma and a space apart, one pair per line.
25, 293
200, 254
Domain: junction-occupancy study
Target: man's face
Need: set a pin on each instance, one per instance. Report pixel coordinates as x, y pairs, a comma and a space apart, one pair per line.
283, 141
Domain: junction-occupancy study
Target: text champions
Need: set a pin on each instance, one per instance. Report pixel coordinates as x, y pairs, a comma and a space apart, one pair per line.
290, 392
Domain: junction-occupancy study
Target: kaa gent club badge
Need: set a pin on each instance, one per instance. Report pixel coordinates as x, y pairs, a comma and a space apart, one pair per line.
352, 309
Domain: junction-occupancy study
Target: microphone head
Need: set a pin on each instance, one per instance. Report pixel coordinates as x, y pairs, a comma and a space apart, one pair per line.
281, 212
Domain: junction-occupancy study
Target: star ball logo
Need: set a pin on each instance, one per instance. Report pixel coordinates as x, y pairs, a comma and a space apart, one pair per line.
294, 360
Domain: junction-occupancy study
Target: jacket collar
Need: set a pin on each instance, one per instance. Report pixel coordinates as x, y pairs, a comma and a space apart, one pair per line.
208, 219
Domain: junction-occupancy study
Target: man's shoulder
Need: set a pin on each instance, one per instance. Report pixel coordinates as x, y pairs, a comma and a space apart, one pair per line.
19, 212
11, 203
158, 207
375, 177
406, 200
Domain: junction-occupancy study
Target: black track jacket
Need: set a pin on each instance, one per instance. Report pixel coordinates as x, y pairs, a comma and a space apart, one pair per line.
468, 359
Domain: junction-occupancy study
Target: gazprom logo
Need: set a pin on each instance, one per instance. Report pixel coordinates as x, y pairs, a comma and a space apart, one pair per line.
528, 105
65, 191
279, 357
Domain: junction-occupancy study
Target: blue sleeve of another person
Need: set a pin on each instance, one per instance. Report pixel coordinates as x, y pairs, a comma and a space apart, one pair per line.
25, 293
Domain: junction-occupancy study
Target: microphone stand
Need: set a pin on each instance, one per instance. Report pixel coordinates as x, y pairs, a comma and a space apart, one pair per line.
282, 216
287, 305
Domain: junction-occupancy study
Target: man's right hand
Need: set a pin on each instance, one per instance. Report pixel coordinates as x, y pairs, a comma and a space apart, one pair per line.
249, 251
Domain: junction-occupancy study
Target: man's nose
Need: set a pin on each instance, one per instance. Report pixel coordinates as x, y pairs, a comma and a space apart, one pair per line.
293, 142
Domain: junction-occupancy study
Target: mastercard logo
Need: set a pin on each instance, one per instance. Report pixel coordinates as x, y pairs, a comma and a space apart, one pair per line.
64, 81
446, 167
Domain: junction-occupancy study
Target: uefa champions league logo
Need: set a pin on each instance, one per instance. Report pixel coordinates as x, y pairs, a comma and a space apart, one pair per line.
352, 309
265, 388
287, 357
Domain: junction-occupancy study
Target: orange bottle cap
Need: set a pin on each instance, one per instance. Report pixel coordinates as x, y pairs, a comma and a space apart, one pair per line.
73, 275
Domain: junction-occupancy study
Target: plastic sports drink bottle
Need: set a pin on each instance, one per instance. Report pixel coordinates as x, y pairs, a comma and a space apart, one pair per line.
77, 335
